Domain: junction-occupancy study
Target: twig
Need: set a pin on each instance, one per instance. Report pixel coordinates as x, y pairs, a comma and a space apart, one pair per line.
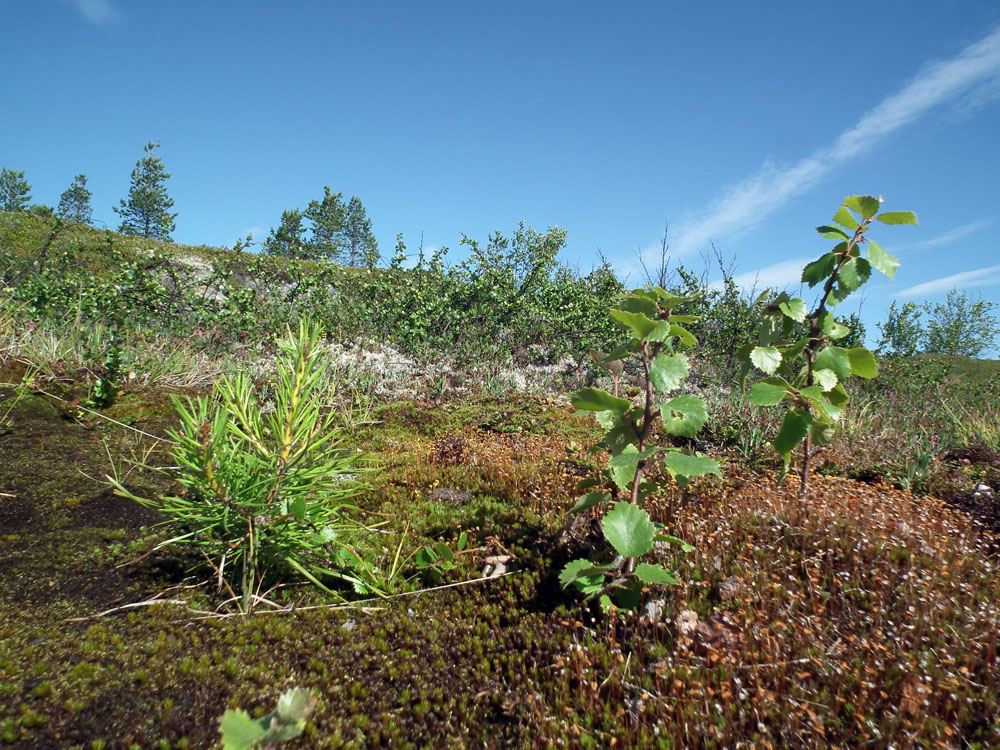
108, 419
133, 605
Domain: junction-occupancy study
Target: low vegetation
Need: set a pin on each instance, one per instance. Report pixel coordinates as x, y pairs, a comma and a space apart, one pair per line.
247, 500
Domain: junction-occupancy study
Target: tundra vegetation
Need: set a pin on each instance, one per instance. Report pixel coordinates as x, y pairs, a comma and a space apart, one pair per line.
304, 498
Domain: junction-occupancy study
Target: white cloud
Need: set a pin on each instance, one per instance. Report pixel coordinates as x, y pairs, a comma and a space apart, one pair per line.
779, 276
951, 236
965, 280
98, 12
968, 77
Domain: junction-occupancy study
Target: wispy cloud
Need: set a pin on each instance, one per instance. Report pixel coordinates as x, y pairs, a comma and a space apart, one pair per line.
968, 78
951, 236
97, 12
779, 276
965, 280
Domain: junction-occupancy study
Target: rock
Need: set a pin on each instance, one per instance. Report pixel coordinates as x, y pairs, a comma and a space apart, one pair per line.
495, 566
654, 610
686, 622
983, 490
717, 632
451, 497
730, 588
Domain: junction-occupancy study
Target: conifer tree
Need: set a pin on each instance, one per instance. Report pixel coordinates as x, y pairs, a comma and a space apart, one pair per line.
327, 218
287, 240
146, 213
15, 192
74, 203
359, 241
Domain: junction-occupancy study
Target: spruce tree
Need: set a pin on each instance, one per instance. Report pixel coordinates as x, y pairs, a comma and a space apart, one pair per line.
74, 204
146, 213
15, 192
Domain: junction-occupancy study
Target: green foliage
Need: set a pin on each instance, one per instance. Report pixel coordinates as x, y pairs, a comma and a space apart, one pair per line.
74, 203
15, 192
901, 332
797, 349
287, 241
359, 241
327, 218
656, 335
286, 722
265, 493
146, 213
960, 326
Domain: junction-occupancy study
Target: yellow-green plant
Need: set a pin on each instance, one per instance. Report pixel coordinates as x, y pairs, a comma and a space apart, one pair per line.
266, 491
657, 333
796, 348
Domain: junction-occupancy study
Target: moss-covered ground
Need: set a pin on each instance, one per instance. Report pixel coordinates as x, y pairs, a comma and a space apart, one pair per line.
862, 617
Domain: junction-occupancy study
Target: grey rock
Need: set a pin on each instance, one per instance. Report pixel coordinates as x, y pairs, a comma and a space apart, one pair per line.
654, 610
451, 497
730, 588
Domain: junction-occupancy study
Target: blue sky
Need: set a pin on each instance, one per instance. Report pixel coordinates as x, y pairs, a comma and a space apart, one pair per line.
739, 124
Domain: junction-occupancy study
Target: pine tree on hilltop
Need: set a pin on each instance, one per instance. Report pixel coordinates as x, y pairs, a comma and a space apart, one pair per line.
74, 204
359, 240
147, 211
15, 192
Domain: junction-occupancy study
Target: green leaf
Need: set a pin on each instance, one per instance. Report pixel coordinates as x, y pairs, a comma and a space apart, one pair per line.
898, 217
768, 392
836, 359
863, 363
793, 431
821, 434
639, 304
819, 270
838, 397
683, 335
622, 466
239, 731
628, 597
589, 500
629, 530
865, 205
679, 464
844, 218
667, 372
691, 415
654, 574
587, 577
636, 322
825, 379
594, 399
832, 233
794, 309
854, 273
670, 539
881, 261
586, 484
294, 704
669, 301
766, 358
837, 331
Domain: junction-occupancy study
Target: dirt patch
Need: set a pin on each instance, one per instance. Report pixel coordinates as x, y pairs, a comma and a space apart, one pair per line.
107, 510
973, 454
